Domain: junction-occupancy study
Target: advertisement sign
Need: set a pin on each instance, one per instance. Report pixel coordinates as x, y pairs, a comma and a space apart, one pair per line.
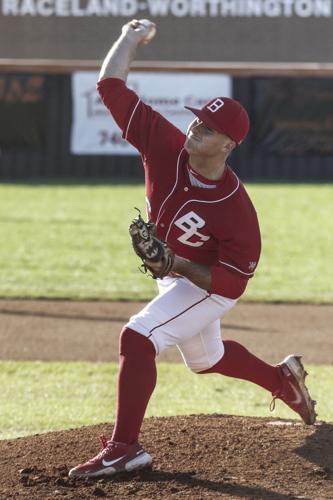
23, 112
293, 116
93, 129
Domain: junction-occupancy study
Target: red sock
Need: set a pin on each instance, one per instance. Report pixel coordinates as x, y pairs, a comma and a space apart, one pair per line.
238, 362
136, 382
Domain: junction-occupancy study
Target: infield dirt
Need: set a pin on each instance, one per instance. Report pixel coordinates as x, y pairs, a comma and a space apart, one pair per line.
61, 330
195, 457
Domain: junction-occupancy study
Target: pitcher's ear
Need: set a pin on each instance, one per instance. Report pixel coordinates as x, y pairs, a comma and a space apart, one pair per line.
229, 146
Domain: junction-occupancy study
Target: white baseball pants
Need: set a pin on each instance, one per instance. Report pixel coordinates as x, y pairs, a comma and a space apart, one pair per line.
187, 316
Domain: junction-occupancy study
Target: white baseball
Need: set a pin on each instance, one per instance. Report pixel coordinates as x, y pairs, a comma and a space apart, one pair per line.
148, 24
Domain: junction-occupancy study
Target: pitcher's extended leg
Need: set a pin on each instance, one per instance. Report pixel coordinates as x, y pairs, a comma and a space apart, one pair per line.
136, 382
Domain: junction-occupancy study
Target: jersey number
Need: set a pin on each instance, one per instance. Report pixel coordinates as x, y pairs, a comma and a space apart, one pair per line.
189, 224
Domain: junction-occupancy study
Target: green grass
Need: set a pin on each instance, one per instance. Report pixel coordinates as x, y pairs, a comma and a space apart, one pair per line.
71, 241
38, 397
297, 233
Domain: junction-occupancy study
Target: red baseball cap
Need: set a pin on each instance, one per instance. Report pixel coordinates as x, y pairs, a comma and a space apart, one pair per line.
225, 115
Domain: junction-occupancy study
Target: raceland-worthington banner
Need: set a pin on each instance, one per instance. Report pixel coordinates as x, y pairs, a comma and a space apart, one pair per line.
188, 30
176, 8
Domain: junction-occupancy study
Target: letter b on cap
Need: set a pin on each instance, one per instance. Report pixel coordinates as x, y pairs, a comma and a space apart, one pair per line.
216, 105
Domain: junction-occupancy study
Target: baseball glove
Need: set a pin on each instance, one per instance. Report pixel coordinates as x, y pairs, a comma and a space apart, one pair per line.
156, 256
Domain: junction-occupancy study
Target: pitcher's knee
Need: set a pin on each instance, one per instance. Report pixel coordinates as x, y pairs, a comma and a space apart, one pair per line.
201, 362
200, 368
134, 343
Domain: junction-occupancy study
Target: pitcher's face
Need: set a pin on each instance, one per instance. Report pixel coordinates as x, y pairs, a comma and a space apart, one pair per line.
202, 140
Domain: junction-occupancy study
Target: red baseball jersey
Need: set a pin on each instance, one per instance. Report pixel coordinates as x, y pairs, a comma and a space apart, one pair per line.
215, 226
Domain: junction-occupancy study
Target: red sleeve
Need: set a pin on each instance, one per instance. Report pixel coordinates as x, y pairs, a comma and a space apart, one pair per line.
239, 247
237, 261
226, 283
144, 128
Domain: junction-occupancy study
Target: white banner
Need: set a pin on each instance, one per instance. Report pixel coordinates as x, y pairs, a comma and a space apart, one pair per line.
93, 129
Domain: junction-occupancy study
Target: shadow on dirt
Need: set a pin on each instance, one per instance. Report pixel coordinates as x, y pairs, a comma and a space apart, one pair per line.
318, 449
75, 317
187, 480
111, 318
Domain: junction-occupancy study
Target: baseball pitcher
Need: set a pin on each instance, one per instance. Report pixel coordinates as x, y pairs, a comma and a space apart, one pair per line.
202, 244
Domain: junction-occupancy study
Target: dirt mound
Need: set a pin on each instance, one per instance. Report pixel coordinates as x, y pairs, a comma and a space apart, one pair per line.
195, 457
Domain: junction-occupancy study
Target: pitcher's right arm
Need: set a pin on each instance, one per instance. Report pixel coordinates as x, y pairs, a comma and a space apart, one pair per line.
118, 60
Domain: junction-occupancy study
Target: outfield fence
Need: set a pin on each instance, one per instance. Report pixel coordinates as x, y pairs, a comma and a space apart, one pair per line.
290, 106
